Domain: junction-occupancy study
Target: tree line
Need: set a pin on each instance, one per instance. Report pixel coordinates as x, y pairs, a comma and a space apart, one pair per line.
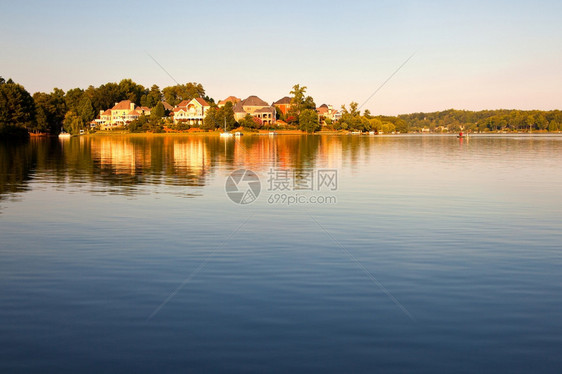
22, 113
74, 109
486, 120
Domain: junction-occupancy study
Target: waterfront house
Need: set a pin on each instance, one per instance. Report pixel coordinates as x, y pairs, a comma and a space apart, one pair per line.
232, 99
191, 112
328, 112
120, 114
167, 107
283, 104
256, 107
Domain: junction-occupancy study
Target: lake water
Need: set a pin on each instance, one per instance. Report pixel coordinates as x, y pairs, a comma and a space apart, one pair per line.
422, 253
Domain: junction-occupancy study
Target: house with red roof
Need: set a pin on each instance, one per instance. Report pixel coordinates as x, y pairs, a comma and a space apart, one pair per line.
283, 104
120, 114
328, 112
231, 99
191, 111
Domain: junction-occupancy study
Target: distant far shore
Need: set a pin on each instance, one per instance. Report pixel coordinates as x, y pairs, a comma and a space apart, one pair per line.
298, 132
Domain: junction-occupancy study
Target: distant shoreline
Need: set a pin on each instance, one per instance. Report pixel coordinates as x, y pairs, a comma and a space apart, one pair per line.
298, 132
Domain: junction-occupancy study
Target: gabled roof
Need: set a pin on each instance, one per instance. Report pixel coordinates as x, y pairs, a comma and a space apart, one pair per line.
238, 108
122, 105
167, 106
268, 109
323, 109
254, 101
106, 113
201, 101
185, 103
286, 100
232, 99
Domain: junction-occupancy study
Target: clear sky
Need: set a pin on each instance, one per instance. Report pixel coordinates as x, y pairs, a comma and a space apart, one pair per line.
468, 54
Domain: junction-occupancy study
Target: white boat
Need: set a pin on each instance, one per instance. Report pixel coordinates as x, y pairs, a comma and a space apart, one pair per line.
271, 133
238, 133
64, 135
226, 134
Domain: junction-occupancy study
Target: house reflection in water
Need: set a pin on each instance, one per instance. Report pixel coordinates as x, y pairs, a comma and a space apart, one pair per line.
191, 155
121, 155
131, 164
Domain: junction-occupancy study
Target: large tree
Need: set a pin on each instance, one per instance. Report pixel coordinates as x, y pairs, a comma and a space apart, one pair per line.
73, 123
152, 98
86, 110
17, 108
299, 103
50, 111
176, 94
130, 90
309, 121
105, 96
219, 118
158, 112
72, 98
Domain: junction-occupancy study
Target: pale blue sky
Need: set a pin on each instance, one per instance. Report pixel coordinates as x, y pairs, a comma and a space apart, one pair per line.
469, 54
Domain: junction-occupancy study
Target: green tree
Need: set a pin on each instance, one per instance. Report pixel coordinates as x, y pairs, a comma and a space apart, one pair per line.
85, 110
73, 123
152, 98
140, 124
376, 124
298, 95
250, 122
17, 108
158, 112
299, 102
351, 119
210, 121
72, 98
105, 96
50, 110
541, 122
176, 94
530, 121
353, 109
388, 127
130, 90
308, 104
226, 115
309, 121
553, 126
218, 118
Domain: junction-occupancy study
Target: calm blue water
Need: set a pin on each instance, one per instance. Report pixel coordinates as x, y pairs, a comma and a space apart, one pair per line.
126, 255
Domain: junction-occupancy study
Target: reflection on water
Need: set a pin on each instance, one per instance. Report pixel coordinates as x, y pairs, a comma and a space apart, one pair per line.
119, 164
464, 234
123, 164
